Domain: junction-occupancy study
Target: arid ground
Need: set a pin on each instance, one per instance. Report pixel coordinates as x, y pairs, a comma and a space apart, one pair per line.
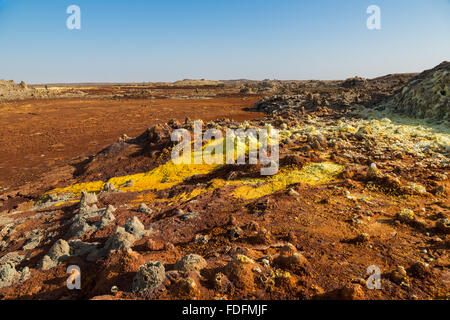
86, 179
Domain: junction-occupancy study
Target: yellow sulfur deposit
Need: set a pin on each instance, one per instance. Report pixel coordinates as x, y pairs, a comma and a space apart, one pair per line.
313, 173
248, 189
169, 174
95, 186
160, 178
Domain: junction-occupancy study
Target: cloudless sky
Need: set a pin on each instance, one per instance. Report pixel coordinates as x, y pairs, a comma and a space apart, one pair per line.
166, 40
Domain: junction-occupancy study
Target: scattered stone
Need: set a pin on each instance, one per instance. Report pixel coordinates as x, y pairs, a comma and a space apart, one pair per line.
80, 225
406, 216
184, 288
232, 221
60, 251
87, 198
85, 211
109, 187
399, 276
143, 208
121, 240
439, 176
372, 173
253, 226
240, 271
189, 215
46, 263
79, 228
168, 246
25, 274
288, 258
107, 217
265, 263
317, 142
8, 275
34, 238
202, 239
190, 262
262, 236
12, 258
135, 227
149, 277
80, 248
416, 189
353, 291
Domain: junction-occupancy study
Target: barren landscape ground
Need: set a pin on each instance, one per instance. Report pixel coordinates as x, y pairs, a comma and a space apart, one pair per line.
86, 179
37, 135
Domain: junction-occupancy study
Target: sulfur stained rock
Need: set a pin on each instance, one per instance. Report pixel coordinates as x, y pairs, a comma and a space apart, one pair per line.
289, 259
118, 270
399, 276
406, 216
284, 279
262, 236
202, 239
190, 262
184, 288
240, 272
222, 284
352, 292
415, 189
372, 172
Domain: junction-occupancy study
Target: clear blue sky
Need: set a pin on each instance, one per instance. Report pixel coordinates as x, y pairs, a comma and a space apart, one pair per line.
219, 39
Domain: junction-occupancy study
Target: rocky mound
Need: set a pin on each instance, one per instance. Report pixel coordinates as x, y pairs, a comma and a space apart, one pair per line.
10, 88
425, 96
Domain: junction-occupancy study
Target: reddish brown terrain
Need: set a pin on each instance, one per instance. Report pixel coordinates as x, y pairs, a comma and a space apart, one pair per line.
37, 135
86, 180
